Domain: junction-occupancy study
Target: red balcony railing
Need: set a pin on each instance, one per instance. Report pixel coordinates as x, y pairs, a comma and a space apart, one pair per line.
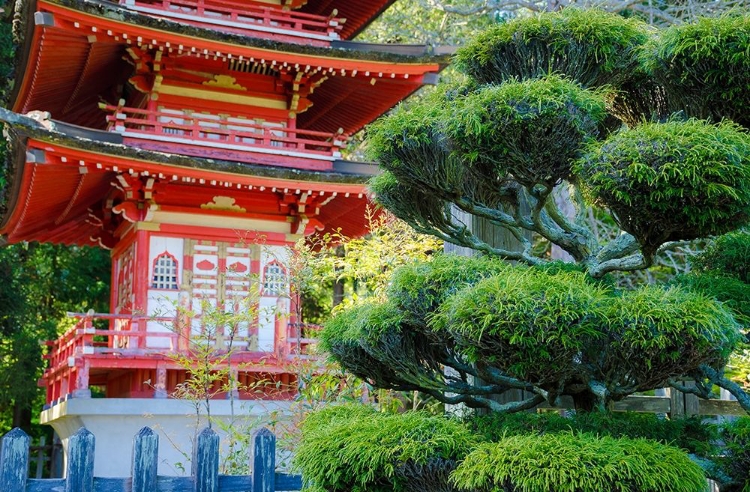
86, 346
237, 15
222, 132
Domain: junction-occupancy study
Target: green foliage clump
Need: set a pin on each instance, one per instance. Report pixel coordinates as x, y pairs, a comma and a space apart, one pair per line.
415, 204
558, 331
659, 333
411, 136
735, 462
529, 324
411, 145
672, 181
358, 338
727, 255
592, 47
567, 462
419, 288
543, 122
704, 66
733, 293
690, 434
354, 448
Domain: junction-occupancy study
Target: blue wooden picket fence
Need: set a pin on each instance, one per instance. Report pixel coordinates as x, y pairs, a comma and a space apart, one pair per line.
79, 476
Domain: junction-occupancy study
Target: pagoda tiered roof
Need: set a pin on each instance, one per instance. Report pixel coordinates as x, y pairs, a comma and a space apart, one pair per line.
65, 183
85, 43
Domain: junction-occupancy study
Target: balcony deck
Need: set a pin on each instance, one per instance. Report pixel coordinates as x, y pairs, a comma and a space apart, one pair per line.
224, 137
85, 351
241, 18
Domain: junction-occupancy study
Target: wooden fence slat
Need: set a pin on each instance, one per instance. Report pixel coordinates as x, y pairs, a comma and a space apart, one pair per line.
691, 401
235, 483
263, 461
719, 407
40, 458
677, 401
650, 404
14, 461
145, 460
111, 484
45, 485
205, 463
79, 476
288, 482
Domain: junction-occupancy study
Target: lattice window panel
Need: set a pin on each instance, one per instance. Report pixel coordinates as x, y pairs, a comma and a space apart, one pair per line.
165, 273
274, 279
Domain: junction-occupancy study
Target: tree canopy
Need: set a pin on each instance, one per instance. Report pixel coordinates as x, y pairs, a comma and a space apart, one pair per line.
597, 110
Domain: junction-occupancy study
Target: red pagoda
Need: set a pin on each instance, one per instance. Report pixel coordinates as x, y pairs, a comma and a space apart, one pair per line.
196, 140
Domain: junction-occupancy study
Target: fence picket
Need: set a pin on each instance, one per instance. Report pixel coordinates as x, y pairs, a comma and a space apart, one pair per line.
14, 461
205, 463
263, 461
145, 460
80, 468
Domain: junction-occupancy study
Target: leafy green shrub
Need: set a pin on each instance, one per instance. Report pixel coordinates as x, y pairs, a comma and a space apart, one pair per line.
735, 461
591, 47
690, 434
531, 130
531, 325
659, 333
733, 293
704, 67
416, 204
358, 338
354, 448
410, 144
418, 289
672, 181
727, 255
567, 462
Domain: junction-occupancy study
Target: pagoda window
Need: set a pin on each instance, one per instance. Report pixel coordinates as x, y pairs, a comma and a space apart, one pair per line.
274, 279
165, 272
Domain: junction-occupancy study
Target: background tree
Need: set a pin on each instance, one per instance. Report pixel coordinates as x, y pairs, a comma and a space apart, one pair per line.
451, 22
602, 107
40, 283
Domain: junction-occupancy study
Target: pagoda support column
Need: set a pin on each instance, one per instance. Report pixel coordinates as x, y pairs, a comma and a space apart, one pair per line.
140, 284
81, 388
160, 388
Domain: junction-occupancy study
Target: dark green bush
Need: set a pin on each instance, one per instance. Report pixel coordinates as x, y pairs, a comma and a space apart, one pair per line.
592, 47
531, 130
415, 204
733, 293
735, 460
567, 462
704, 67
410, 144
727, 255
672, 181
690, 434
657, 334
354, 448
418, 289
531, 325
359, 339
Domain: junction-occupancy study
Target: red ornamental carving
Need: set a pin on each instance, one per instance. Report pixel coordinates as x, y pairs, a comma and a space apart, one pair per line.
205, 265
238, 267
